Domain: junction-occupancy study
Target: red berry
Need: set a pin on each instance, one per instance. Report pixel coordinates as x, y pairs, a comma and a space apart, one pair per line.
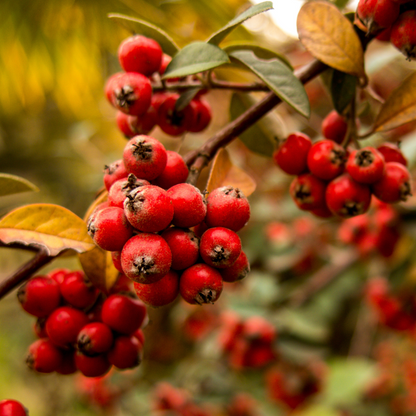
165, 62
10, 407
202, 116
129, 92
376, 15
92, 366
257, 328
326, 159
346, 197
366, 165
114, 172
200, 284
189, 205
292, 154
132, 126
227, 207
176, 171
308, 192
126, 352
238, 270
145, 157
334, 127
64, 324
146, 258
139, 335
403, 34
140, 54
392, 153
121, 189
58, 275
160, 293
109, 228
116, 257
184, 245
78, 291
149, 209
95, 338
44, 356
395, 185
68, 365
123, 314
220, 247
39, 296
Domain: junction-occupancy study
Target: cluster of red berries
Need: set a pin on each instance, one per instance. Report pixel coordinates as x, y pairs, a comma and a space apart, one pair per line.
78, 332
131, 92
247, 343
147, 227
390, 20
9, 407
332, 180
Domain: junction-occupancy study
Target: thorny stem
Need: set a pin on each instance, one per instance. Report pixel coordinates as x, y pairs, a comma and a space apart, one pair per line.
22, 274
198, 159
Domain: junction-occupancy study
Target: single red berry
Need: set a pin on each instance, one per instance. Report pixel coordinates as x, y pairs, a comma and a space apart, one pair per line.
9, 407
184, 245
291, 155
238, 270
44, 356
189, 205
146, 258
129, 92
326, 159
366, 165
227, 207
176, 171
173, 121
121, 189
149, 209
200, 284
68, 365
334, 127
308, 192
346, 197
165, 62
160, 293
39, 296
123, 314
95, 338
109, 228
202, 116
395, 184
403, 35
131, 125
64, 324
78, 291
220, 247
392, 153
140, 54
58, 275
114, 172
145, 157
124, 123
376, 15
92, 366
126, 352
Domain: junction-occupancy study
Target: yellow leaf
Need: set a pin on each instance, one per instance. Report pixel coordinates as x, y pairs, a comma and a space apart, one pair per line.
224, 172
400, 107
50, 226
98, 266
11, 184
330, 37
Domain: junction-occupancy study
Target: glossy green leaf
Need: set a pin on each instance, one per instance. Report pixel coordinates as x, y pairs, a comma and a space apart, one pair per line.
11, 184
260, 137
259, 51
217, 37
279, 78
195, 57
144, 28
342, 89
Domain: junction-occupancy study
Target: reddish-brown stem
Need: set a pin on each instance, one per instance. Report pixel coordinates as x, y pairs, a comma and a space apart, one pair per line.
220, 85
22, 274
198, 159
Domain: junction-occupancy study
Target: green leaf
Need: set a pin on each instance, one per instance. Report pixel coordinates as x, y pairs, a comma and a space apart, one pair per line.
260, 137
185, 98
279, 78
195, 57
11, 184
340, 3
217, 37
259, 51
144, 28
342, 90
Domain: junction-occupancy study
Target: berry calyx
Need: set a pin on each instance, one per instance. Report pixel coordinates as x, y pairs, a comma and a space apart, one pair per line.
366, 165
95, 338
308, 192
